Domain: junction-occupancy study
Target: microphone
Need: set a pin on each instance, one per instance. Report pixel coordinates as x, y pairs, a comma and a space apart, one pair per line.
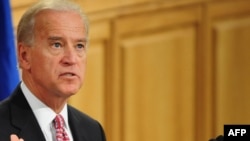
218, 138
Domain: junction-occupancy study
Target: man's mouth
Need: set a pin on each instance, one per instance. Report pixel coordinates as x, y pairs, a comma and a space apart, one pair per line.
68, 74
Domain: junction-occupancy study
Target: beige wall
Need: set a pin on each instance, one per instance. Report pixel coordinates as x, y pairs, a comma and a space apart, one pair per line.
165, 70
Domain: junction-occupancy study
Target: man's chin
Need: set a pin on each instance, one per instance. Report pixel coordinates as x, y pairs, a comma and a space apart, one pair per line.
69, 88
70, 92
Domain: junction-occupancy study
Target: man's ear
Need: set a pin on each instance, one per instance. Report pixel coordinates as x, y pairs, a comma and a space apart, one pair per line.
24, 55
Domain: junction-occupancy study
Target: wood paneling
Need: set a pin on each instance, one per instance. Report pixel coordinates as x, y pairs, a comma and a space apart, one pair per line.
154, 68
227, 36
156, 72
100, 5
232, 72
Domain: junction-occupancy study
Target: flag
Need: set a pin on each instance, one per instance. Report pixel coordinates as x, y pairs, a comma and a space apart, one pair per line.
9, 76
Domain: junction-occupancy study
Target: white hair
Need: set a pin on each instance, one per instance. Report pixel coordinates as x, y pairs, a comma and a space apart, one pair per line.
25, 27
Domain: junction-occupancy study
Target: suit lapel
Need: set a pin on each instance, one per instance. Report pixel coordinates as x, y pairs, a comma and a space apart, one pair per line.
23, 118
77, 131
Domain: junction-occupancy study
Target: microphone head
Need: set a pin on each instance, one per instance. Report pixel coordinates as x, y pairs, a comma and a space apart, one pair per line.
218, 138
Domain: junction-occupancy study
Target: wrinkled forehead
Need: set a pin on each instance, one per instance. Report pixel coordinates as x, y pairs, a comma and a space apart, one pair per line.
62, 25
53, 19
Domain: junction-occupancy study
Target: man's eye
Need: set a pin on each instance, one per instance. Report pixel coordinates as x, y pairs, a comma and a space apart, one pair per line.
57, 45
80, 46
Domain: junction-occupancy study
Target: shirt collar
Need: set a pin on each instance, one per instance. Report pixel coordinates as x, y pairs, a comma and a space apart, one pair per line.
44, 114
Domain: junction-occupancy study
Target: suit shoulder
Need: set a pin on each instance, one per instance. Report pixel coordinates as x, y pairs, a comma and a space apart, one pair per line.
4, 106
80, 115
89, 127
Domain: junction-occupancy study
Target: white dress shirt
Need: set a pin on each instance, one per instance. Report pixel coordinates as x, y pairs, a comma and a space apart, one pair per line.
45, 115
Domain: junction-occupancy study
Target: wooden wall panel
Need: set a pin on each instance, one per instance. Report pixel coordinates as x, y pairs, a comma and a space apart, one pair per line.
227, 39
91, 6
156, 71
154, 68
232, 48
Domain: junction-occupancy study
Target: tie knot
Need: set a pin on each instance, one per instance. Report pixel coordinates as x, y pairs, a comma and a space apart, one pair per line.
58, 121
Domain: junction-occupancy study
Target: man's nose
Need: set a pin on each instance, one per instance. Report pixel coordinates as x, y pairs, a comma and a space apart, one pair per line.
69, 56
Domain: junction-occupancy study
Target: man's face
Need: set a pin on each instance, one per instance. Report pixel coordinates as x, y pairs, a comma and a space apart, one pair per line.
58, 54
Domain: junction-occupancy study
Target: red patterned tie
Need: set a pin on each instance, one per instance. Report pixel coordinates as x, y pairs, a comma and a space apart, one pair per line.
61, 134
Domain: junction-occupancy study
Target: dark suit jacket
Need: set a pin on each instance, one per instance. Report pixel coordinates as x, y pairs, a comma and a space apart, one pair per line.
16, 117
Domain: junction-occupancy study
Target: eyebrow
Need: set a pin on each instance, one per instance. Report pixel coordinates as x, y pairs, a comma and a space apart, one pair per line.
53, 38
82, 40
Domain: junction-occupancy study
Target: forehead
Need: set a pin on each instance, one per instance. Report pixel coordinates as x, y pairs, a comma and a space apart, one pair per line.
52, 21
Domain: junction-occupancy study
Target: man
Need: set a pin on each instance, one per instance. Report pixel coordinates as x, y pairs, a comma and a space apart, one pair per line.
52, 44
